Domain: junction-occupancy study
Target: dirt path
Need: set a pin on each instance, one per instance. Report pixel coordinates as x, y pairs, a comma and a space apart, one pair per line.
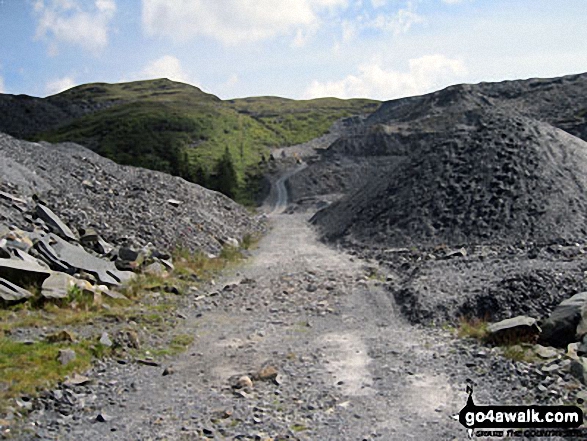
349, 367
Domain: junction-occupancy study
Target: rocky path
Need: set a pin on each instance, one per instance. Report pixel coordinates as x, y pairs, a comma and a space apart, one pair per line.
348, 367
302, 342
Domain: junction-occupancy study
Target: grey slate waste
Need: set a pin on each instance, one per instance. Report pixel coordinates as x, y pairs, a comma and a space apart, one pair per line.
75, 257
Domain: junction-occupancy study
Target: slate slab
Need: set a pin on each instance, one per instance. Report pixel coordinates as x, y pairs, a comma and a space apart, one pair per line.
73, 256
16, 270
516, 329
53, 221
11, 293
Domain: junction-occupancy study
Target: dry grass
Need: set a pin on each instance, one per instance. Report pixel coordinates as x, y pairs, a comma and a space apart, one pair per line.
472, 328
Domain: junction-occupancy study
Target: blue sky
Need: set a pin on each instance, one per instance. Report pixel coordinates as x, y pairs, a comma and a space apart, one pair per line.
381, 49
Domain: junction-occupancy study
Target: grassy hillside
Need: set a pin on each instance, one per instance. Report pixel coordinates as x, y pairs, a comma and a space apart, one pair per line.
295, 122
179, 129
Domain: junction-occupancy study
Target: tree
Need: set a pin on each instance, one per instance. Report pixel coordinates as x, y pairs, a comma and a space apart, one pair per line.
226, 180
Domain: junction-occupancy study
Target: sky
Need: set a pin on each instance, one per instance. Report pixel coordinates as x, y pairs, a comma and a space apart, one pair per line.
381, 49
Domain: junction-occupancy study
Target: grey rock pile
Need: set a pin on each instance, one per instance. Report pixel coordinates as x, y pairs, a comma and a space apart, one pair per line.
128, 206
489, 177
496, 169
50, 259
493, 163
72, 220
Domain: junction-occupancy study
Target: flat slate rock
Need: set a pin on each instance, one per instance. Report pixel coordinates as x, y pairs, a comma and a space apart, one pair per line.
76, 257
512, 323
9, 292
53, 221
516, 329
14, 269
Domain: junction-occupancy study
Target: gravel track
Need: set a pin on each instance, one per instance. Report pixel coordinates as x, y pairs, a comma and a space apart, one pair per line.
350, 367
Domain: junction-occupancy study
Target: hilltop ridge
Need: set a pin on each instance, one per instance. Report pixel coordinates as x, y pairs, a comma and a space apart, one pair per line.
175, 128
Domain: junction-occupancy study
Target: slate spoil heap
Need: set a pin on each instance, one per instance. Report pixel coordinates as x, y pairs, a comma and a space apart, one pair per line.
69, 217
476, 198
499, 178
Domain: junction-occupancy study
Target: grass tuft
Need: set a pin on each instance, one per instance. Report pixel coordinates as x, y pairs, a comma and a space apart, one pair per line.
472, 328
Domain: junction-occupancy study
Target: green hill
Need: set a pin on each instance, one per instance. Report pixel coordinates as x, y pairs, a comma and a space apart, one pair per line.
178, 128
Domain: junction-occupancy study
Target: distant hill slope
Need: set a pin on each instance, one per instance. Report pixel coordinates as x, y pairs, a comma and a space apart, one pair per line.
174, 127
474, 164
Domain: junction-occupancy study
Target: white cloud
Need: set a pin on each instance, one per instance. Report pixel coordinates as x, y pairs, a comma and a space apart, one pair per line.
378, 3
400, 23
2, 89
373, 81
453, 2
168, 67
59, 85
235, 21
386, 19
72, 22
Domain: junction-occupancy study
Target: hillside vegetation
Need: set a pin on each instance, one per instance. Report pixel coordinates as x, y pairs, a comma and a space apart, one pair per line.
179, 129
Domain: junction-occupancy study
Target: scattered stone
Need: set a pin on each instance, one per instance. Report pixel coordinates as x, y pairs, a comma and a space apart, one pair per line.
572, 349
105, 340
155, 269
60, 337
582, 348
23, 403
461, 252
243, 382
77, 380
174, 202
231, 242
58, 286
545, 352
66, 356
11, 198
147, 362
172, 289
168, 371
17, 239
103, 418
128, 254
75, 257
16, 270
267, 373
567, 323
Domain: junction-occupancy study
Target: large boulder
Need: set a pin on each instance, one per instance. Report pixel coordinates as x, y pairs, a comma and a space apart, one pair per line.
567, 323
